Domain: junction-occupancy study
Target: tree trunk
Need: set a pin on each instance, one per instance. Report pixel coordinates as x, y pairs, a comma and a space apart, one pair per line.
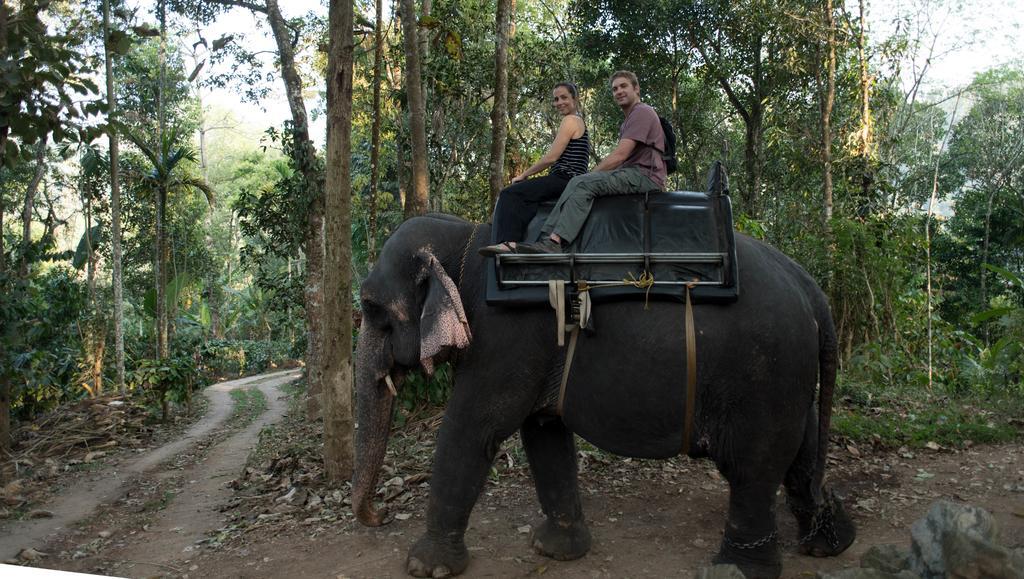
423, 37
160, 264
3, 129
419, 191
115, 208
6, 381
371, 209
338, 422
827, 101
865, 108
304, 155
753, 161
499, 111
95, 339
210, 293
984, 305
26, 209
160, 275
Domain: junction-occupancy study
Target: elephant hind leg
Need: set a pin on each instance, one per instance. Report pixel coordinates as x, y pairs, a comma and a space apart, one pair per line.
825, 528
750, 541
551, 451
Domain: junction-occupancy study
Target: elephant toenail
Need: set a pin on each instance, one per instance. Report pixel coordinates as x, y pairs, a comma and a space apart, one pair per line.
416, 568
441, 571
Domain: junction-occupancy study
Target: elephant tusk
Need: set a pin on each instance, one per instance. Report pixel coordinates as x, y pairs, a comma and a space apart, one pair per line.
391, 384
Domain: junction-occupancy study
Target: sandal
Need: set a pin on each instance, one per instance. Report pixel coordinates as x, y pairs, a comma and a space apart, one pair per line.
497, 249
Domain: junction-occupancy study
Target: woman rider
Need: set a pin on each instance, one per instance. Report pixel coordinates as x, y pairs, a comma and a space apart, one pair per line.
568, 156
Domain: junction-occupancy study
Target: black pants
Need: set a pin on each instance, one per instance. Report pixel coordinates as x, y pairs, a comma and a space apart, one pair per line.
518, 203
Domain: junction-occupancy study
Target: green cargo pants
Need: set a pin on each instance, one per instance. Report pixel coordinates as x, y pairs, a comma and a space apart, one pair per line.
573, 207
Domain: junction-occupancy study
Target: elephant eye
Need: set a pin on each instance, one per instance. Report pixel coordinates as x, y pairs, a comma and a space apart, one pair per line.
376, 314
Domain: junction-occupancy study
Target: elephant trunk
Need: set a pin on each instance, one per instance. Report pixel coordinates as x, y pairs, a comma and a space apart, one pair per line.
374, 404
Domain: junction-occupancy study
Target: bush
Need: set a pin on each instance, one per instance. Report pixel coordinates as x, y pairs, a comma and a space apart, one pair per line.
242, 357
167, 380
42, 335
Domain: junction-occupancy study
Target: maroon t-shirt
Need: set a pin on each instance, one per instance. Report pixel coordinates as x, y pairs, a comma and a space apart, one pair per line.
642, 125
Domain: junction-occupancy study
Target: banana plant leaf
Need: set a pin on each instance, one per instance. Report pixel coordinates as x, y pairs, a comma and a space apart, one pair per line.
95, 237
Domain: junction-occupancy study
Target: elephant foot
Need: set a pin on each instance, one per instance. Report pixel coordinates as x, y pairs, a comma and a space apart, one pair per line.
759, 559
828, 532
562, 541
429, 558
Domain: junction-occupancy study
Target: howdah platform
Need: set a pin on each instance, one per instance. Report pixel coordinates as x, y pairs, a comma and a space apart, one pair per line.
633, 246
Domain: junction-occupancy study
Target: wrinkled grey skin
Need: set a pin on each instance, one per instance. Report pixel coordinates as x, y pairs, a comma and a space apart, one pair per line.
758, 363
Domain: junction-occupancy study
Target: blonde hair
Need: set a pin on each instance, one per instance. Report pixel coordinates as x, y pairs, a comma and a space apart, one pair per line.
624, 74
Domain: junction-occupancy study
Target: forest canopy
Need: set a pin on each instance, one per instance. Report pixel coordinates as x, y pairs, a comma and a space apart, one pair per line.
182, 252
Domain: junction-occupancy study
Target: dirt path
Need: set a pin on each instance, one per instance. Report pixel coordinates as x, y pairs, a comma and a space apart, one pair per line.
81, 500
648, 518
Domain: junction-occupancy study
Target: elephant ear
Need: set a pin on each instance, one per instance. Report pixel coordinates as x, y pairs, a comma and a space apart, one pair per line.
443, 322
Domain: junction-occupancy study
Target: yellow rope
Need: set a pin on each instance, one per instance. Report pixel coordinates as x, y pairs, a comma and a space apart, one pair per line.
644, 282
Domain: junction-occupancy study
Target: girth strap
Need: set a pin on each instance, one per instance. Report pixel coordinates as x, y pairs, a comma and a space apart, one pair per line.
556, 296
691, 374
568, 365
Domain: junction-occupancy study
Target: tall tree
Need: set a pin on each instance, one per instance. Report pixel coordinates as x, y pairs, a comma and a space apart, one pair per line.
378, 66
746, 48
117, 280
337, 395
27, 205
865, 136
160, 259
303, 154
42, 69
986, 166
417, 198
826, 100
499, 111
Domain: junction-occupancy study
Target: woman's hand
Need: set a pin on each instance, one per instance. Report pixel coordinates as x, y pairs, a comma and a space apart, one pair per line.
518, 178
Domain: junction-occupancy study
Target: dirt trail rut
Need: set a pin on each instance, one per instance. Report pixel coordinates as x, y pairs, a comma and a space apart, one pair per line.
195, 511
80, 500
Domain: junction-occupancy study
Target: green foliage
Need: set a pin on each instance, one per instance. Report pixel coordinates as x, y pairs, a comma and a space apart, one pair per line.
228, 358
45, 77
236, 270
168, 380
249, 405
40, 328
419, 389
938, 424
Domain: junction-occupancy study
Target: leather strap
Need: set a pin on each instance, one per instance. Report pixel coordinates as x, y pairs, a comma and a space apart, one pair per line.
691, 374
568, 365
584, 299
556, 297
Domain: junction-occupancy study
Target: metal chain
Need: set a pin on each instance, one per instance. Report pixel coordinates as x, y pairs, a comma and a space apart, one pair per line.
465, 253
769, 538
817, 522
822, 521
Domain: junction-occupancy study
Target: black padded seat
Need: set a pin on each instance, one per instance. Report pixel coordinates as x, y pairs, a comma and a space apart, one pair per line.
678, 237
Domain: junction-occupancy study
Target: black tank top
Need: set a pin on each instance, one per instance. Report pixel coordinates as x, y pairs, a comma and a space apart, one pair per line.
575, 158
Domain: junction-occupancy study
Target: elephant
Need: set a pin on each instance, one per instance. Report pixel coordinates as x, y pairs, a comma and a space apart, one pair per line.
759, 364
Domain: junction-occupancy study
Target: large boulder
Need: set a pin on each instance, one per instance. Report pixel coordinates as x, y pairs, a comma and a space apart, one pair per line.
865, 573
960, 541
886, 558
719, 572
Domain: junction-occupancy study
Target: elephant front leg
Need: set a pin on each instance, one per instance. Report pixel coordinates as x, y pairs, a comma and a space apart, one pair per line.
551, 451
463, 457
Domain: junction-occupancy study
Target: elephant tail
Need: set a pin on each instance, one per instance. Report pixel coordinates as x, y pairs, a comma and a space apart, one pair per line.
828, 363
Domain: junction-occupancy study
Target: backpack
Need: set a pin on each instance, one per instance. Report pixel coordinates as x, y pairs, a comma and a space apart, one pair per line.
669, 156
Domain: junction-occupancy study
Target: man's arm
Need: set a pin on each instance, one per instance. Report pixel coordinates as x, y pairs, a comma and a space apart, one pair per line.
618, 156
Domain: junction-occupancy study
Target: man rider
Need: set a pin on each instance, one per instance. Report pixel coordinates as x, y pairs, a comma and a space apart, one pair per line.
635, 166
